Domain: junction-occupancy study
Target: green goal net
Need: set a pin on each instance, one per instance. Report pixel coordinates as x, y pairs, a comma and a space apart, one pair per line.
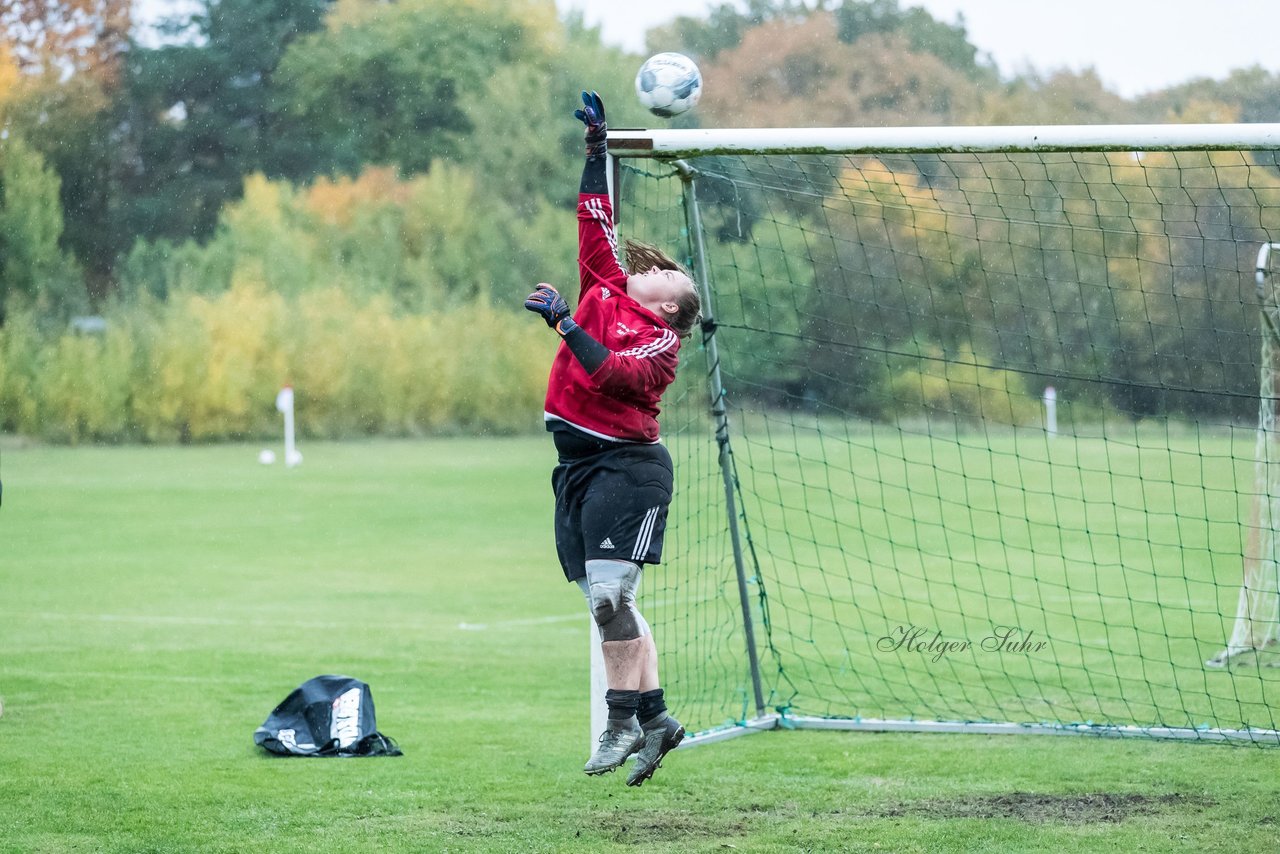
997, 454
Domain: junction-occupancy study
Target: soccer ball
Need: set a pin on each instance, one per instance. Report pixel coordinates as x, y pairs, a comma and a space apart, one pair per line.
669, 84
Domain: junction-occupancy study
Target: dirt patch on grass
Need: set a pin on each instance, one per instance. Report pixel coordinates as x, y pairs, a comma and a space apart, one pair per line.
1090, 808
672, 826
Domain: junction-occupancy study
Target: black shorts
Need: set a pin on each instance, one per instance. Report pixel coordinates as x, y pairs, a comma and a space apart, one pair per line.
611, 505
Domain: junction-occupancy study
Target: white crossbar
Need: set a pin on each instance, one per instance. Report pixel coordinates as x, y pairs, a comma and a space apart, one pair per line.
688, 143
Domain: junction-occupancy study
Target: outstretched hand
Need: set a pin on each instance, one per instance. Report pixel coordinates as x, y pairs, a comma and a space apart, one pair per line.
592, 115
547, 302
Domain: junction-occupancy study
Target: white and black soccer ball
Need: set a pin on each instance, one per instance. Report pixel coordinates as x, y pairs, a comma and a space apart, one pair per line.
669, 84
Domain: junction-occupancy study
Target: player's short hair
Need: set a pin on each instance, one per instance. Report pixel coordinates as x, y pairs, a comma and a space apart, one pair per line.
638, 256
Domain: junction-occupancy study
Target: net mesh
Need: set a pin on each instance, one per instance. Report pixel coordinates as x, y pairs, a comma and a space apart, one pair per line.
923, 539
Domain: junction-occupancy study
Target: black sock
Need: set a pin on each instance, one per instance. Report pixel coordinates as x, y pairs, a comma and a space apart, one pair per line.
622, 704
652, 705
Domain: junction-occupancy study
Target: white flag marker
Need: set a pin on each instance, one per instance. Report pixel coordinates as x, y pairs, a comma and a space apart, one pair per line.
284, 403
1051, 410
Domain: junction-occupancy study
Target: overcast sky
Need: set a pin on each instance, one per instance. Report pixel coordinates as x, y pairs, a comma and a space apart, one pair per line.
1135, 45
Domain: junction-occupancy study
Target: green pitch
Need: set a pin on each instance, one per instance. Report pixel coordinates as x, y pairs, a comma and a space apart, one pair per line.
155, 603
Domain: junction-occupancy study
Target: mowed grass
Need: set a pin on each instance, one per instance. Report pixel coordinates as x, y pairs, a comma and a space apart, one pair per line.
156, 603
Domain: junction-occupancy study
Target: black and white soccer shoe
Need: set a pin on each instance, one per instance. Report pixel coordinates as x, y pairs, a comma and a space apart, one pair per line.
619, 740
659, 740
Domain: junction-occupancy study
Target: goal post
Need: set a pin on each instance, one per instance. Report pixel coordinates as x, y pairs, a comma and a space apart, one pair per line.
1257, 626
876, 525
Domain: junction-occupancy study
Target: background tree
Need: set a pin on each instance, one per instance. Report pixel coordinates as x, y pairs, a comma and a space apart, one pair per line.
922, 33
33, 267
724, 27
198, 116
388, 83
525, 140
69, 54
1254, 93
799, 73
1060, 98
65, 37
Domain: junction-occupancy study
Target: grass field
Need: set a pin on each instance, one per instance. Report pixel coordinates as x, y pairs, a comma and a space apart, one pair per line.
156, 603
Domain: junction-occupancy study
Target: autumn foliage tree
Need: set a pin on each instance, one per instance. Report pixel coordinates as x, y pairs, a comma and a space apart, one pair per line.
800, 74
69, 56
65, 37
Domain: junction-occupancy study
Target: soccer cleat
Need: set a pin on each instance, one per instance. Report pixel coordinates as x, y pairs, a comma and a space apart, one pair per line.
619, 740
656, 743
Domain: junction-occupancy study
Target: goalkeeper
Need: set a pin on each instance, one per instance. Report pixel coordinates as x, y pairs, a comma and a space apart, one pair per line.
613, 481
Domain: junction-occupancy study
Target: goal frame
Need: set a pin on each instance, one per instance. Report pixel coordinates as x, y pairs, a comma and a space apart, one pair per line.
674, 146
671, 144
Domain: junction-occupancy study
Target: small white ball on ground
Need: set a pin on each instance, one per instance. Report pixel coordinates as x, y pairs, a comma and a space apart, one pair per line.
669, 84
266, 456
294, 458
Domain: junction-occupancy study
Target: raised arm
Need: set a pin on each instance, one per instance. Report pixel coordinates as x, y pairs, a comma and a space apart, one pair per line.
597, 241
628, 372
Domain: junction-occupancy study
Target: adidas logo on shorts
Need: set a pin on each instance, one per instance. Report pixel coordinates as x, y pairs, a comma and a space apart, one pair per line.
607, 544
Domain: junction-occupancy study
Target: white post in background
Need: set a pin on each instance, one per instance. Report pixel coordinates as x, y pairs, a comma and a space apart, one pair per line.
1051, 410
599, 684
284, 403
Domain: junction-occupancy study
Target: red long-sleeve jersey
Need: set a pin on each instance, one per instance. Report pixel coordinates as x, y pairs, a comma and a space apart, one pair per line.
619, 401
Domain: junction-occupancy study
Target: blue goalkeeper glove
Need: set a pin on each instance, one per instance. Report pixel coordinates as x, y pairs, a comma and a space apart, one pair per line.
592, 115
546, 301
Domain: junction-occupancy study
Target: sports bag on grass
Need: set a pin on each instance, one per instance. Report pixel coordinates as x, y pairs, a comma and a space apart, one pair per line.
325, 716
